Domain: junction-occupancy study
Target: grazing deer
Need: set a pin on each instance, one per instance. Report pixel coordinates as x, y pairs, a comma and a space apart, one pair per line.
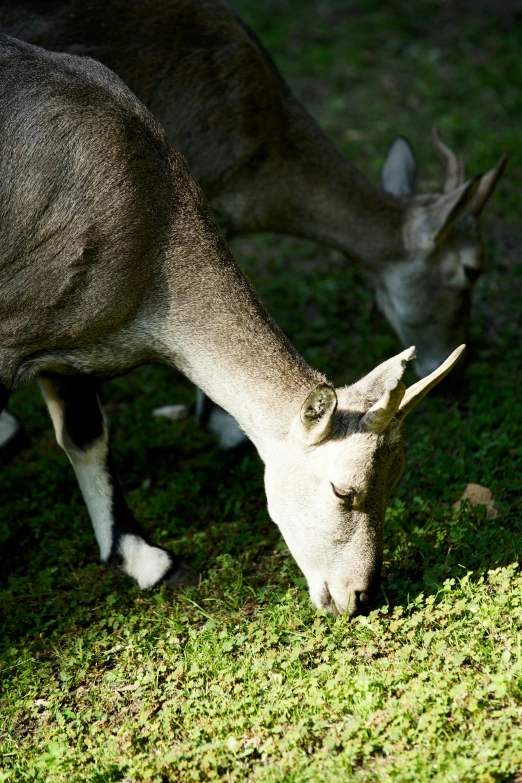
265, 165
110, 258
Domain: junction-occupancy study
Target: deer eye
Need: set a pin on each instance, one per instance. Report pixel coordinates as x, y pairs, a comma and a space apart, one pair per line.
346, 495
472, 273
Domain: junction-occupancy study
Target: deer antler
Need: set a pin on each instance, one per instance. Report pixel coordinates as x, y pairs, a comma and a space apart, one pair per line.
379, 416
487, 186
453, 167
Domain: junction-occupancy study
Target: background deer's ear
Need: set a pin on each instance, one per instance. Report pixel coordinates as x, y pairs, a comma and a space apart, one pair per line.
440, 216
398, 172
374, 384
317, 414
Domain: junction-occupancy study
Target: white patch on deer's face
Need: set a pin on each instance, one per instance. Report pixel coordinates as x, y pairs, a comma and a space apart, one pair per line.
145, 563
427, 299
337, 544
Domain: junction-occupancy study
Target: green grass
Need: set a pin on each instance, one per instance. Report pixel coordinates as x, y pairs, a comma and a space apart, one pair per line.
240, 679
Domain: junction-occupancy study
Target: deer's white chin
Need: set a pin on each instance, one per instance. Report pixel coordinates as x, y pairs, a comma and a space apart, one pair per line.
322, 598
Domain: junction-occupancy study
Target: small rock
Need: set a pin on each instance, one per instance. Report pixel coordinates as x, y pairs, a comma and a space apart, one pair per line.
173, 412
478, 496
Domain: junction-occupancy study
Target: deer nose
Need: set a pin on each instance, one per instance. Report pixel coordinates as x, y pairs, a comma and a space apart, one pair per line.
353, 602
360, 601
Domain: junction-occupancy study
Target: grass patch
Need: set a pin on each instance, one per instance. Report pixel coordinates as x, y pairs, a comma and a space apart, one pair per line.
240, 679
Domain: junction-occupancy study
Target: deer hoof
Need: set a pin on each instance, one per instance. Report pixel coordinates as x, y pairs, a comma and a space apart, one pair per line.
183, 576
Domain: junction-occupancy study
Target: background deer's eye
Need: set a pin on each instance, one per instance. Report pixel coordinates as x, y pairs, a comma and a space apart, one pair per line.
472, 273
347, 495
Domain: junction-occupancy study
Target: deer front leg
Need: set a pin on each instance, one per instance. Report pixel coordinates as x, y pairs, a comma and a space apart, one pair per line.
82, 433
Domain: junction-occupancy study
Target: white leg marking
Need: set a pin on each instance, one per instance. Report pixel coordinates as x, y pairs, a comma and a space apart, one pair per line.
226, 429
221, 424
89, 466
200, 402
96, 487
8, 428
145, 563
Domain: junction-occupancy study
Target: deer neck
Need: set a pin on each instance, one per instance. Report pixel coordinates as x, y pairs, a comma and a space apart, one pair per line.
217, 332
307, 188
344, 210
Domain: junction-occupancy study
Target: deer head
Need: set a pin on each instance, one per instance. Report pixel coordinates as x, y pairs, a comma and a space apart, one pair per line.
426, 296
329, 482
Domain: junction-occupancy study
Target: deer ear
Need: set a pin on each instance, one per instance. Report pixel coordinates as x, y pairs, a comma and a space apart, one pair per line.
374, 384
419, 390
398, 172
487, 186
440, 216
317, 414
